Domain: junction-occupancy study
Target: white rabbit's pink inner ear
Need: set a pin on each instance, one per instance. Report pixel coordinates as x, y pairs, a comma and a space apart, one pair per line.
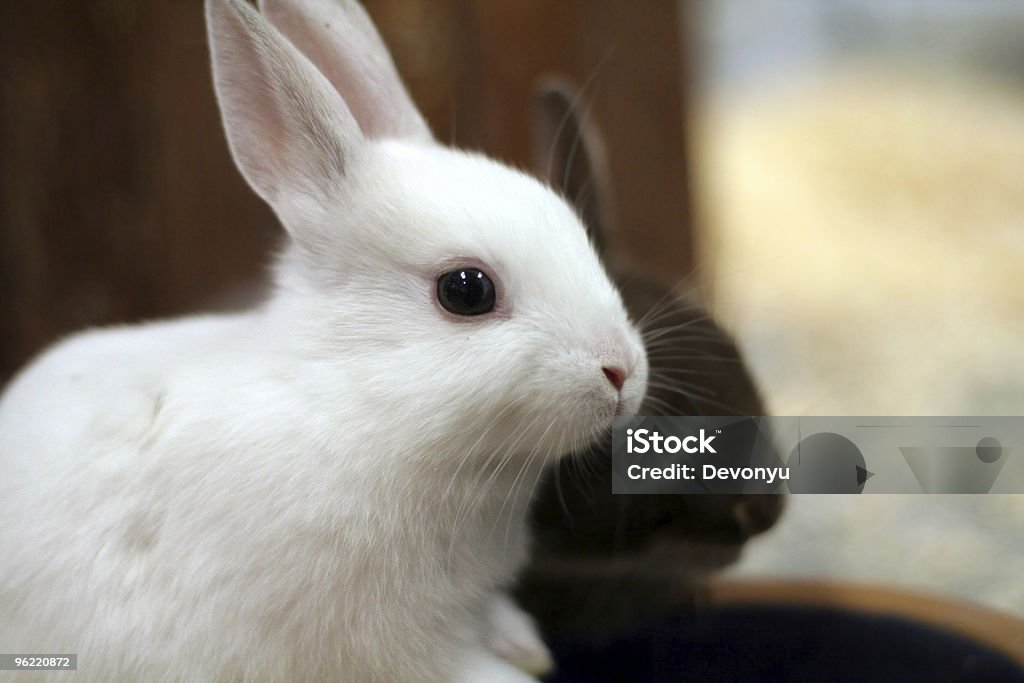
289, 131
340, 39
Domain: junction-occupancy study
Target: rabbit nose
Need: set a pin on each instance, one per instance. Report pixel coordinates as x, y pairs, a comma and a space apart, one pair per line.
615, 375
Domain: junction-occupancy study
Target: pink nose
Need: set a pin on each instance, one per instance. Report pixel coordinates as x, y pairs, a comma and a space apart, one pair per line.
617, 376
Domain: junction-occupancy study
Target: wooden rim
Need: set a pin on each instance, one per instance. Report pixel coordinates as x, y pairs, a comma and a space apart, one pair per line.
1001, 631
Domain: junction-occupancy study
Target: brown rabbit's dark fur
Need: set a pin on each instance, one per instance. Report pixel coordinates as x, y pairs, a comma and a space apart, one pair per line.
600, 561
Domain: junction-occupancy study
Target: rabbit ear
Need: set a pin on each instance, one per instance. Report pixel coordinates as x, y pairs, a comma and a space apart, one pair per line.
289, 132
569, 154
339, 37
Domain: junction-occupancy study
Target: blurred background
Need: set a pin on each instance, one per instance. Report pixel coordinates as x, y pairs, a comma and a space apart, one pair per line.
859, 179
118, 198
843, 178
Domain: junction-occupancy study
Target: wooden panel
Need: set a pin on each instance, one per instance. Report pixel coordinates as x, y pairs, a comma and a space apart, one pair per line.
119, 202
629, 59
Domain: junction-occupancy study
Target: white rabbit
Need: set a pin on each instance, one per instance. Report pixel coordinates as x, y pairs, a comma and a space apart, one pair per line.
334, 485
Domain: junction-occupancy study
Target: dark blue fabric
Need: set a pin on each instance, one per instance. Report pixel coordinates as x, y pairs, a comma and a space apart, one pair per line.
783, 644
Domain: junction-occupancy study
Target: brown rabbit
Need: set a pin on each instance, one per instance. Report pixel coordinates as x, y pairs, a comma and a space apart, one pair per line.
602, 562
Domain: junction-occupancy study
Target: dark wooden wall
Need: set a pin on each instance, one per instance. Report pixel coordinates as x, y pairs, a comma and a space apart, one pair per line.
119, 201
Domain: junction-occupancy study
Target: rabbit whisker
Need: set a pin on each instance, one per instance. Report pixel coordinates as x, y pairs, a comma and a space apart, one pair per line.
520, 478
672, 373
700, 357
698, 398
655, 334
484, 490
469, 453
540, 470
662, 305
674, 342
667, 306
663, 382
574, 105
493, 464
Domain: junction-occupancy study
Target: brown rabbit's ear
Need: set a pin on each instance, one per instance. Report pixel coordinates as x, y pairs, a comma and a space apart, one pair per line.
568, 153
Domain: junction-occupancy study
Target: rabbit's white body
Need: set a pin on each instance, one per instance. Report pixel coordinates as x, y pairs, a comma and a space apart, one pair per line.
140, 544
333, 486
168, 519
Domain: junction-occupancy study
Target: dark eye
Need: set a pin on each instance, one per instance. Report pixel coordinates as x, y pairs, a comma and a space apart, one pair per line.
466, 291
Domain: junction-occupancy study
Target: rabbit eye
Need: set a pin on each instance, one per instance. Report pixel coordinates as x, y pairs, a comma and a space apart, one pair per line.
466, 291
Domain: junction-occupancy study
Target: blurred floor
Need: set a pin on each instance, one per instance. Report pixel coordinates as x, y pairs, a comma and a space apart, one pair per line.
864, 223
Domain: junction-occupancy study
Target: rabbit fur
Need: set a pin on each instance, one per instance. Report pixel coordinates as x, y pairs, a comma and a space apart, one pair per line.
601, 563
332, 486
